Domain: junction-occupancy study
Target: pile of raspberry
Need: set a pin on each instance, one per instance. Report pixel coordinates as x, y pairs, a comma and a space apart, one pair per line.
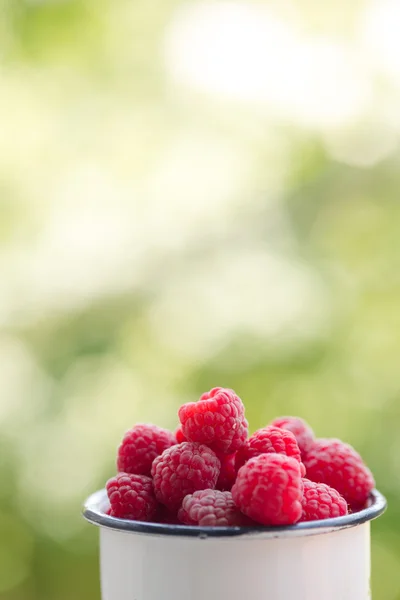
210, 472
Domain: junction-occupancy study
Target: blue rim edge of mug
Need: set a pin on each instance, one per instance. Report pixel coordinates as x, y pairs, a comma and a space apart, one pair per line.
93, 514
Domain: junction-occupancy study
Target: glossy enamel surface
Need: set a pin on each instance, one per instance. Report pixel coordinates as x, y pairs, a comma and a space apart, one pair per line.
95, 506
322, 560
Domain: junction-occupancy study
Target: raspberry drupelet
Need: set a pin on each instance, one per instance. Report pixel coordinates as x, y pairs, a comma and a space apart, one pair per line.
227, 475
180, 437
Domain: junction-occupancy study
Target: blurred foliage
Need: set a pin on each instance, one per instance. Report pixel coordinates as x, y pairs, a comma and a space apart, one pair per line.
192, 194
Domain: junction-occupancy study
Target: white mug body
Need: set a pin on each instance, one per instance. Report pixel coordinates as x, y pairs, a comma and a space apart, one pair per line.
320, 560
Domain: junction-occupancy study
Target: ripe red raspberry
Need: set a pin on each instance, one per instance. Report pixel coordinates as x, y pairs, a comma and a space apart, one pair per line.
227, 474
140, 446
269, 489
337, 464
321, 502
217, 419
131, 496
181, 470
179, 435
266, 440
211, 508
302, 432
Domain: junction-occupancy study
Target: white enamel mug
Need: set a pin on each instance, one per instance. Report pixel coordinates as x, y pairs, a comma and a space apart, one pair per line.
318, 560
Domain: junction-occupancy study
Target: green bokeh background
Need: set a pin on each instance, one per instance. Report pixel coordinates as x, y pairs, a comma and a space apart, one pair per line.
192, 194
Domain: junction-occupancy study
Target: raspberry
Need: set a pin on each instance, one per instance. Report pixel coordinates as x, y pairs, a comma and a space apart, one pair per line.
269, 489
321, 502
181, 470
337, 464
211, 508
302, 432
140, 446
227, 473
131, 496
269, 440
179, 435
217, 419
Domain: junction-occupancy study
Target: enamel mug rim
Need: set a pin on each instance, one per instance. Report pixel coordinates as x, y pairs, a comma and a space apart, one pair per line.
93, 512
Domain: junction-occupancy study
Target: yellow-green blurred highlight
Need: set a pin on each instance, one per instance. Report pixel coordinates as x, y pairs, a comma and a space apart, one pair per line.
193, 194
